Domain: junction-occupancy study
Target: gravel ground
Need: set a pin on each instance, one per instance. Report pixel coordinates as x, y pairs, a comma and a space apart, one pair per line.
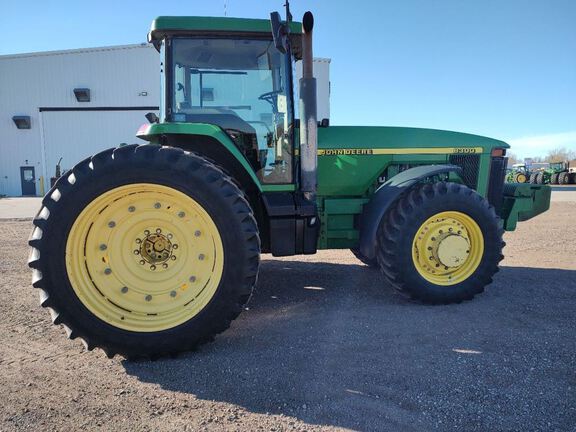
323, 346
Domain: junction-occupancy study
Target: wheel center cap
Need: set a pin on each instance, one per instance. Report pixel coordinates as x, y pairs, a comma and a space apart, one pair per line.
453, 250
156, 248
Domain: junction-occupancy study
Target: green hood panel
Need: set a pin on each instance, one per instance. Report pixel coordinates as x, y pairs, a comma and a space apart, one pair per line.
400, 137
351, 158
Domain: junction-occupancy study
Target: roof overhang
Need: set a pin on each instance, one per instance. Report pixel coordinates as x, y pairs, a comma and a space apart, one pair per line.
168, 26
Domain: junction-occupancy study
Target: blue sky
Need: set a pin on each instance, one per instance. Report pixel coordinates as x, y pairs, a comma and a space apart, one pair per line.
501, 68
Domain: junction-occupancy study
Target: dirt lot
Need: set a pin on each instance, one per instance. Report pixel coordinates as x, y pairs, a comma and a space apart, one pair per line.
323, 346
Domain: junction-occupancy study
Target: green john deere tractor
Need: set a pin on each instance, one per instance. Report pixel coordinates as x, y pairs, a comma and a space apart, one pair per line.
148, 250
559, 173
518, 174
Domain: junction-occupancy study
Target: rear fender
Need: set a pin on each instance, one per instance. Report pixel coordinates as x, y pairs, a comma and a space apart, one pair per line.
386, 195
206, 139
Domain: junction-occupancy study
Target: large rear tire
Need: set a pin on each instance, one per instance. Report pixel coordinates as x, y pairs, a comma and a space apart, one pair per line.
533, 177
440, 243
144, 251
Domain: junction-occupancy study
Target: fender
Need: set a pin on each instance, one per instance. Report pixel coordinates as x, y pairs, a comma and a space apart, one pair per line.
153, 132
385, 196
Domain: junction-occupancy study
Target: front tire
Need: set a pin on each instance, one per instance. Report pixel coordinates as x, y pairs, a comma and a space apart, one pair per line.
144, 251
372, 263
440, 243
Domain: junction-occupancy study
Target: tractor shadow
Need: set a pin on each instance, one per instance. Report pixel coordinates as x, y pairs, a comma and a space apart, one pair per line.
330, 345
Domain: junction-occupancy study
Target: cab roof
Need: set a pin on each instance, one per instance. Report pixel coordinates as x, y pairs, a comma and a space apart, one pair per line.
168, 25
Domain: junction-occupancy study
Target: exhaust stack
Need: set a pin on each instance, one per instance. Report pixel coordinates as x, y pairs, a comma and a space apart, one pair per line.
308, 120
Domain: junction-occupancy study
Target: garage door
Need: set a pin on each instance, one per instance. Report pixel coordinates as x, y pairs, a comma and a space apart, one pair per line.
75, 135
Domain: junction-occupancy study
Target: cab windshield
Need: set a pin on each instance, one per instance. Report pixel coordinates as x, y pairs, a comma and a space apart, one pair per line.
243, 86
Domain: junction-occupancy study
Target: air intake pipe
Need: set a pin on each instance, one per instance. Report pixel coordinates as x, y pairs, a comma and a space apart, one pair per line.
308, 121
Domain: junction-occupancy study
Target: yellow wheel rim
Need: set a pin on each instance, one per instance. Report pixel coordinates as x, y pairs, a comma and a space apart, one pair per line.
144, 257
448, 248
521, 178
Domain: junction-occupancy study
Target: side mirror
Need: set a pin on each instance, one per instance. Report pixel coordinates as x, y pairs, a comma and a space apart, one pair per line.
279, 32
152, 117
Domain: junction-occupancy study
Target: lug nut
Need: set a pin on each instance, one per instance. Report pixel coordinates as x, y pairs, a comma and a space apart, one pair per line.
175, 246
157, 205
165, 265
107, 271
142, 262
172, 293
173, 257
197, 233
201, 257
158, 230
146, 232
111, 224
131, 209
192, 279
138, 241
103, 247
124, 290
148, 297
181, 214
152, 267
169, 236
136, 252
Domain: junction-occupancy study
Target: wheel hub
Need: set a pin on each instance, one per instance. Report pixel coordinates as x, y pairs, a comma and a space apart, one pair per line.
453, 250
447, 248
156, 248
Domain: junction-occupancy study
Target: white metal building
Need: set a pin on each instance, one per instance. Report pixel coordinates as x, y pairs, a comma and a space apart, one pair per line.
40, 92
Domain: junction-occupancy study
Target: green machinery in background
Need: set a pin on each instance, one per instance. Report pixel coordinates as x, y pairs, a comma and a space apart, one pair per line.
554, 173
519, 173
148, 250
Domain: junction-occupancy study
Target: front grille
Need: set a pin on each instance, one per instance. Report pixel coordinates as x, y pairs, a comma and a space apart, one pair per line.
496, 182
470, 165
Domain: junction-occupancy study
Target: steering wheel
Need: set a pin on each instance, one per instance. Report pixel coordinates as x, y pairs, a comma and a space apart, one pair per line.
269, 97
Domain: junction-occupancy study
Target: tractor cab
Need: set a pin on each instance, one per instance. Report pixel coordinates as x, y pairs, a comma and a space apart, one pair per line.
229, 73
